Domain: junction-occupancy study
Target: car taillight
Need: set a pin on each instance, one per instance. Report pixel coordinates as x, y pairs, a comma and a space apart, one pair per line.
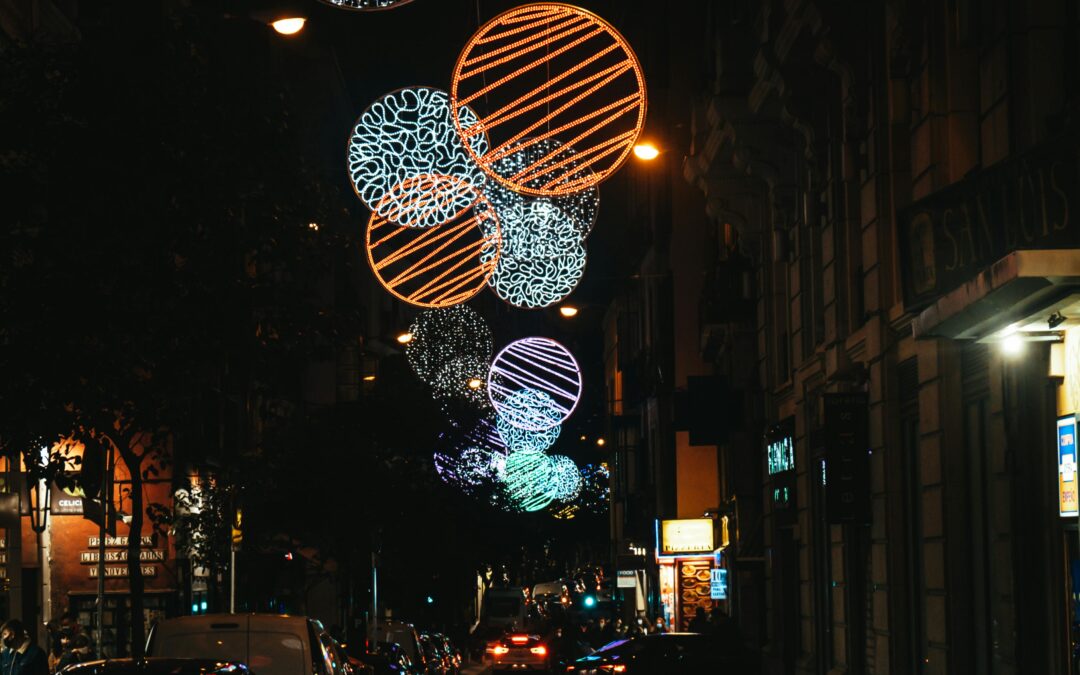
608, 668
519, 639
501, 650
540, 651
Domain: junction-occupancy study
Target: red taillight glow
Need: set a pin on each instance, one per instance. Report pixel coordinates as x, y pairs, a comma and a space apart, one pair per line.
519, 639
541, 650
613, 669
501, 650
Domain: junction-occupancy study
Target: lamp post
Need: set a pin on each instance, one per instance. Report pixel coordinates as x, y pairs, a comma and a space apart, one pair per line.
39, 490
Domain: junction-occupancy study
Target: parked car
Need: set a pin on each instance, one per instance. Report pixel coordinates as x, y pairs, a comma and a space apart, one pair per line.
392, 631
157, 667
267, 643
452, 652
520, 652
390, 659
658, 654
436, 662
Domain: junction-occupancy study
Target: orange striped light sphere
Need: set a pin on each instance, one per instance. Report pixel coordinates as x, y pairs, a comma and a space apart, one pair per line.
438, 266
550, 72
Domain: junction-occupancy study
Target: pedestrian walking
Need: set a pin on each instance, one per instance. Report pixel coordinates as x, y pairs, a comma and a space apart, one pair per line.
21, 656
700, 622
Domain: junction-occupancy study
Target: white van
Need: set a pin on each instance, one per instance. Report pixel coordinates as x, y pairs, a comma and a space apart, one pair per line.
505, 608
267, 643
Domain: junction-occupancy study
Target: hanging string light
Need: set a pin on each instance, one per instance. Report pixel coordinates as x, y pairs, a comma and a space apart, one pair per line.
403, 136
565, 478
540, 364
366, 5
441, 335
579, 208
595, 488
528, 479
438, 266
516, 438
550, 71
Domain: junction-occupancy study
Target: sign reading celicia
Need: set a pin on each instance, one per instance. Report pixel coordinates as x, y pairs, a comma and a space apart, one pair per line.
694, 535
1068, 505
781, 455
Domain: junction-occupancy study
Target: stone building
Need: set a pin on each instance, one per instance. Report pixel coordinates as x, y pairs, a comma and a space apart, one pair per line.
888, 268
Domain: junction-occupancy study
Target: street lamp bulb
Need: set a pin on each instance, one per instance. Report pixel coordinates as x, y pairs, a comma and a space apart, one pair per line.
475, 383
369, 378
568, 311
289, 26
405, 338
646, 151
1012, 345
601, 442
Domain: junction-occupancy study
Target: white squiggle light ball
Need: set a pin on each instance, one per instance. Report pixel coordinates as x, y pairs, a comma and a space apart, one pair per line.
565, 478
517, 438
403, 136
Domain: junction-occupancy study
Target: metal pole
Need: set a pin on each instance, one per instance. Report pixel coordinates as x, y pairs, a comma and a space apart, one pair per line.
232, 581
374, 603
106, 502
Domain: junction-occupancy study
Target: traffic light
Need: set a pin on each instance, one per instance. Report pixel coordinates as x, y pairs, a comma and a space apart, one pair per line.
589, 601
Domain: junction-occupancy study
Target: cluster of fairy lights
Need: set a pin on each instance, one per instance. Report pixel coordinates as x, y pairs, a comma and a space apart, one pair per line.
495, 184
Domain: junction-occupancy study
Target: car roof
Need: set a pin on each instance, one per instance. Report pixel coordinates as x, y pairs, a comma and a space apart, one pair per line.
165, 666
236, 622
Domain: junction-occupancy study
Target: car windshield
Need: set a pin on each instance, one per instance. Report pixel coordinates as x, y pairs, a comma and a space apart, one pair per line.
621, 648
265, 653
503, 606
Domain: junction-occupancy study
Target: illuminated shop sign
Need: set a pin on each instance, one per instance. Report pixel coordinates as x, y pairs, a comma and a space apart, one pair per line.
781, 455
686, 536
717, 584
1067, 479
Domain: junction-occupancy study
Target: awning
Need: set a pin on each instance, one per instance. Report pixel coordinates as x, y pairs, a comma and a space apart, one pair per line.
1014, 289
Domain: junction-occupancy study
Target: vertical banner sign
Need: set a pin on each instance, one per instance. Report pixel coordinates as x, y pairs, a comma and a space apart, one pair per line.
847, 456
718, 584
1066, 452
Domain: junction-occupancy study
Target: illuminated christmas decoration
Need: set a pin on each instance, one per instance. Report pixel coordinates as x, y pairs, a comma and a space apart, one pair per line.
453, 380
474, 468
404, 136
595, 488
516, 438
565, 478
450, 349
528, 479
540, 364
541, 262
578, 209
564, 511
437, 266
367, 5
550, 71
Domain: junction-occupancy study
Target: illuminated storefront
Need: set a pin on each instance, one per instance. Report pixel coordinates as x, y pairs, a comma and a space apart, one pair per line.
686, 557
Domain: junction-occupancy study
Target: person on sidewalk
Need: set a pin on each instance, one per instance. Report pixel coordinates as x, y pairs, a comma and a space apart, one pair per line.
78, 650
21, 656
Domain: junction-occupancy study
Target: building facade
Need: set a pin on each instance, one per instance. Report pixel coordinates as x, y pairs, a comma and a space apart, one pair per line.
890, 257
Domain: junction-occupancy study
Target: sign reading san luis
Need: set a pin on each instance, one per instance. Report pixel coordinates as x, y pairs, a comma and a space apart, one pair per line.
1018, 204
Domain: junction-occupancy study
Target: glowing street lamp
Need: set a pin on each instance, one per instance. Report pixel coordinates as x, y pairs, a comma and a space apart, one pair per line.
369, 378
646, 151
475, 383
405, 338
289, 25
568, 311
601, 442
